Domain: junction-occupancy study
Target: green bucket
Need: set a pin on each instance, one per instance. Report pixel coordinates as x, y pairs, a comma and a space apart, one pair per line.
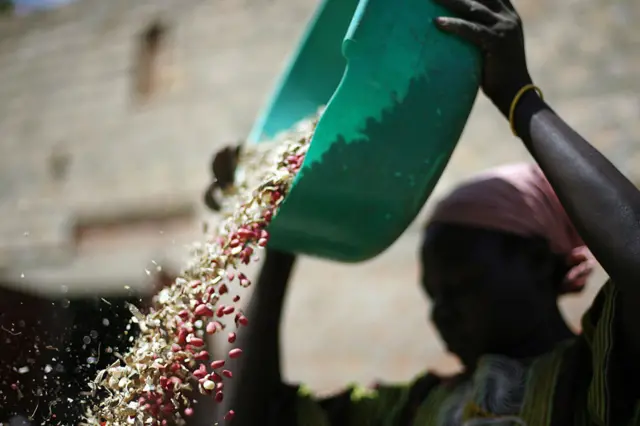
398, 94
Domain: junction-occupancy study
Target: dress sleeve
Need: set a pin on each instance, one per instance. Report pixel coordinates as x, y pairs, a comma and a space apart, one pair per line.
600, 335
383, 404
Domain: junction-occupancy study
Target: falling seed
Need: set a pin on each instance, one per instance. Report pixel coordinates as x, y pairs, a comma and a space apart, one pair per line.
203, 310
220, 311
201, 356
174, 325
211, 328
217, 364
200, 373
196, 341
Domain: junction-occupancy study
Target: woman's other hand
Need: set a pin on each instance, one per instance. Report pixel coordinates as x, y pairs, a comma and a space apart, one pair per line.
223, 169
224, 165
495, 28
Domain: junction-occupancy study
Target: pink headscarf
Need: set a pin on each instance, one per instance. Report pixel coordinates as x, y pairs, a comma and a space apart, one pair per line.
518, 199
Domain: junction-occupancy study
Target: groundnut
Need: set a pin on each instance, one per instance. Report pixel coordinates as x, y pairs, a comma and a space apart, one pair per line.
196, 341
235, 353
211, 328
202, 356
242, 320
217, 364
203, 311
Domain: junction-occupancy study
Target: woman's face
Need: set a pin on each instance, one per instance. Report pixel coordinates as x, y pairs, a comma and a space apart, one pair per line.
486, 293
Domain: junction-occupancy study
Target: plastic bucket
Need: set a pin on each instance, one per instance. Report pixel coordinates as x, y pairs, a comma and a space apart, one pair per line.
398, 94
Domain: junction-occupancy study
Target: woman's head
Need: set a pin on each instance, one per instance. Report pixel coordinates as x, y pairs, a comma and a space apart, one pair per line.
498, 251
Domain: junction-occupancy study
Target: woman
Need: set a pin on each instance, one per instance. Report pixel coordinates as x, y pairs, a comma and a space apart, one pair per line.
497, 253
500, 302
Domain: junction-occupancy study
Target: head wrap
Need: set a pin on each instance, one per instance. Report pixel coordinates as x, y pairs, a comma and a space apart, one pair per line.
518, 199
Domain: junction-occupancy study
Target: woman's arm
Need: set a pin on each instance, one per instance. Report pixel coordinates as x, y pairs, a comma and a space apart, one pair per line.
602, 203
256, 384
257, 380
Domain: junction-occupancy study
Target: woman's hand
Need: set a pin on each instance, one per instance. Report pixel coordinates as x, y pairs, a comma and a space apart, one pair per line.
495, 28
223, 169
224, 165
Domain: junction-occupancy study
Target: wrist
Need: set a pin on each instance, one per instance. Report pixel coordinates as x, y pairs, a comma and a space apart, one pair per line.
275, 273
505, 97
529, 104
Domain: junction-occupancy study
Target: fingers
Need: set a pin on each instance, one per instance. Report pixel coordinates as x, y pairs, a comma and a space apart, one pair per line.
223, 169
477, 11
224, 166
498, 6
474, 33
508, 5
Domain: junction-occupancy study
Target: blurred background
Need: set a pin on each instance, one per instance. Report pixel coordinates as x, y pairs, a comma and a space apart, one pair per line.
110, 111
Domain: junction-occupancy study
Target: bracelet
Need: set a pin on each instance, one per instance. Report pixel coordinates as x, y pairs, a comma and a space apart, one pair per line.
517, 98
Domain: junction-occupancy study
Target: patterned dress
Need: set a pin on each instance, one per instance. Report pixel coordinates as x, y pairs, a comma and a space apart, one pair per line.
572, 385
